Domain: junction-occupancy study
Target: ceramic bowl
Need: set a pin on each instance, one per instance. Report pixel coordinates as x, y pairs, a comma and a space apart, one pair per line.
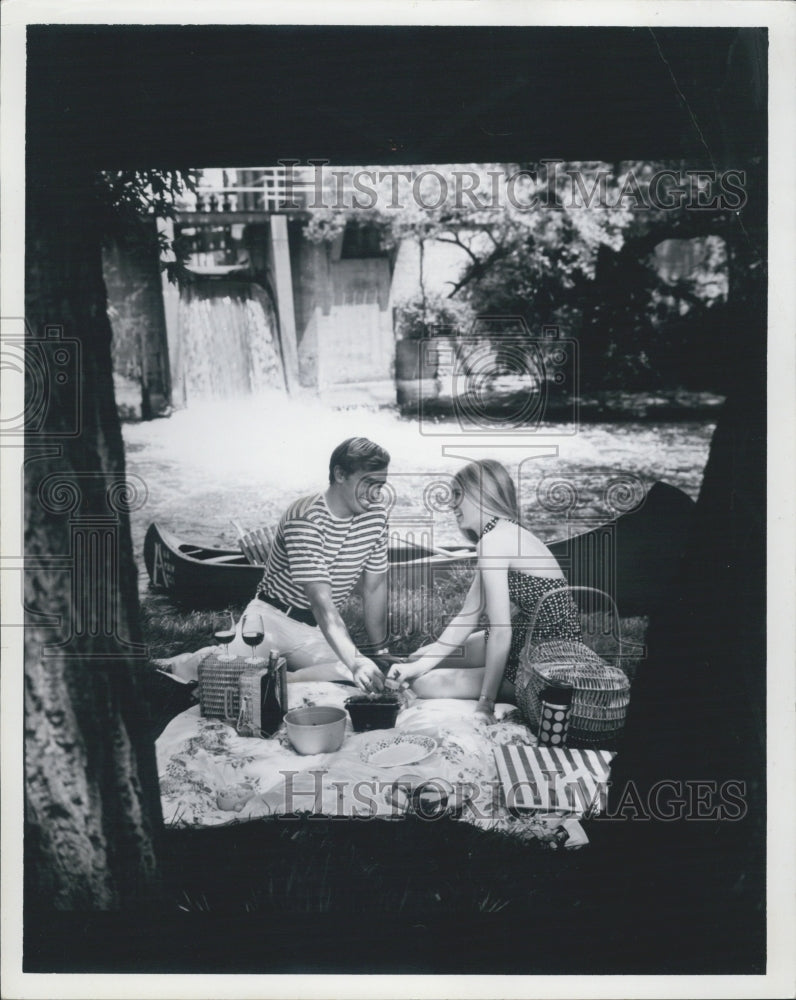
317, 729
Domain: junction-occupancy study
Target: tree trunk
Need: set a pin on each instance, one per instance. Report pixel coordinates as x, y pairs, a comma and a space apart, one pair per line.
92, 811
696, 727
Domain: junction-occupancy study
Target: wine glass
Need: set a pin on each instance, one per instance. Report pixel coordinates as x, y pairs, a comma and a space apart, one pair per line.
225, 637
253, 633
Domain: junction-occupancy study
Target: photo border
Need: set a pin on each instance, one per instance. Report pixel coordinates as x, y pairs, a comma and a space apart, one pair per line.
781, 21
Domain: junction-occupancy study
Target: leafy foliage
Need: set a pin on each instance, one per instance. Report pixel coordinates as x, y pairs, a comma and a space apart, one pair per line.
496, 213
128, 201
570, 245
421, 315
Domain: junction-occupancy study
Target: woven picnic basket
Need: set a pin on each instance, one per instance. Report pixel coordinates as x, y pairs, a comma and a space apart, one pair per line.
223, 684
219, 687
601, 691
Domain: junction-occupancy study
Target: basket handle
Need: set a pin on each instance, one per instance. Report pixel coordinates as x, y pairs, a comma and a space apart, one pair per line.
566, 588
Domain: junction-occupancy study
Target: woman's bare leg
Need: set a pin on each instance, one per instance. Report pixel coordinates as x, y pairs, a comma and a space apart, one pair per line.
469, 656
461, 674
450, 682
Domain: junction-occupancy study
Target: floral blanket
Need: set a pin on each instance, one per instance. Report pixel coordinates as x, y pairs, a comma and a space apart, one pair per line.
211, 776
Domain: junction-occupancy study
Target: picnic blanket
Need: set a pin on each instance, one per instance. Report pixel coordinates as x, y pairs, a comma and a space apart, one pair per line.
209, 775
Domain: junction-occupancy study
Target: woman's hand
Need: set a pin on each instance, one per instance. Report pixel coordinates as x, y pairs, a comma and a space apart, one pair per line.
423, 659
405, 673
485, 711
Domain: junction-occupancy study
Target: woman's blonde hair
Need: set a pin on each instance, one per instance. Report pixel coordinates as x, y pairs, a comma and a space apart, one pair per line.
490, 485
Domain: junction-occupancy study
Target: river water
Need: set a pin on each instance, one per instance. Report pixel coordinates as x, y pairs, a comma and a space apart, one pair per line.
247, 459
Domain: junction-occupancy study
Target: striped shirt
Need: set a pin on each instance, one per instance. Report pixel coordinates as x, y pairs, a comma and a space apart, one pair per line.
314, 546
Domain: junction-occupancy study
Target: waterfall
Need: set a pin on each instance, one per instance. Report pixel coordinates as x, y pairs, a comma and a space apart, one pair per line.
229, 341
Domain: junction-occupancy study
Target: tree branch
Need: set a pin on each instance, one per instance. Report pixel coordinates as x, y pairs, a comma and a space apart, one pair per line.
457, 242
478, 269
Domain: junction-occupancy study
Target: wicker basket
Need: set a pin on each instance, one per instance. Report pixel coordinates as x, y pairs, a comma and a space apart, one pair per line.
602, 691
219, 687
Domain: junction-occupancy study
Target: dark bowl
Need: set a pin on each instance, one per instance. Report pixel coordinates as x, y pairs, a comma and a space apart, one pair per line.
372, 713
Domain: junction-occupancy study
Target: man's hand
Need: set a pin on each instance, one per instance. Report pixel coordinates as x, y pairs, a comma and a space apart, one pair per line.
367, 674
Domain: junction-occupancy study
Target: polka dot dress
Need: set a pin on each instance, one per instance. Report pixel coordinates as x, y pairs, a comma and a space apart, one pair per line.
559, 617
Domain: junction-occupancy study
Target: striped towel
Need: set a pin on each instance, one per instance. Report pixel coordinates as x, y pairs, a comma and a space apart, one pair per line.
554, 779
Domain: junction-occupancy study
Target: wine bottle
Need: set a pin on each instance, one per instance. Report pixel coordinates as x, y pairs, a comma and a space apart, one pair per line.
282, 673
272, 711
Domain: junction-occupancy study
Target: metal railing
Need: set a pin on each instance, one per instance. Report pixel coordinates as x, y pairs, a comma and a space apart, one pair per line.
253, 189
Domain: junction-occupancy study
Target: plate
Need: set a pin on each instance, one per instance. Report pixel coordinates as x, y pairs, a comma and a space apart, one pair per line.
397, 750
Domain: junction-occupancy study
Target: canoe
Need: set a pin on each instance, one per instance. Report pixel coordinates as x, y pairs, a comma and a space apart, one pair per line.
635, 558
198, 575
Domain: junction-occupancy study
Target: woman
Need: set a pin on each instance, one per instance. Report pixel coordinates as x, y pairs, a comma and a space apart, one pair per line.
515, 570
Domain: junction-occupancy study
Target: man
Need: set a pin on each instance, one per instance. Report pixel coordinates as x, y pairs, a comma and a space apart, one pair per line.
325, 544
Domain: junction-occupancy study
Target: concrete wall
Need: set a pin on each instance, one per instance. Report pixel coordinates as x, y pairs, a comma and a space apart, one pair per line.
343, 310
343, 316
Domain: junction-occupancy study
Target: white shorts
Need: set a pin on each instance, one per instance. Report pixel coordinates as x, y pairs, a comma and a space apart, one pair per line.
302, 645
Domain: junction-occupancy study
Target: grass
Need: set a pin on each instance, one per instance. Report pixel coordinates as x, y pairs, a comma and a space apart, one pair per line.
316, 895
417, 616
295, 865
169, 630
312, 894
309, 894
308, 865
